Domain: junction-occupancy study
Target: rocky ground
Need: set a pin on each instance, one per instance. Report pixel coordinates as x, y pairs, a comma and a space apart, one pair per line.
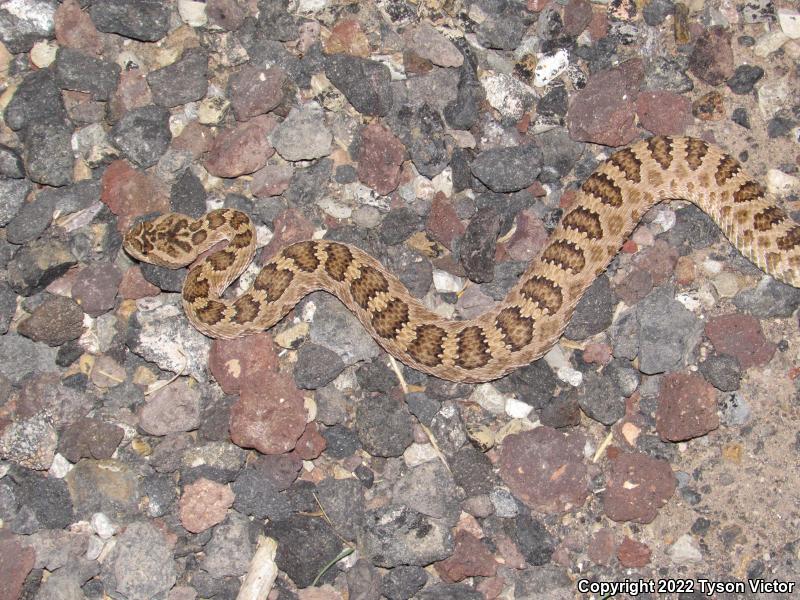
658, 440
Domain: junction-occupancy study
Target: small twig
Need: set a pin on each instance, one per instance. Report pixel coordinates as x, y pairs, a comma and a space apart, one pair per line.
345, 552
174, 377
325, 516
262, 572
399, 374
602, 448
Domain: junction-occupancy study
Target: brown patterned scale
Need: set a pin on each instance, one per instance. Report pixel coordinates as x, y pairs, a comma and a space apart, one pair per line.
535, 312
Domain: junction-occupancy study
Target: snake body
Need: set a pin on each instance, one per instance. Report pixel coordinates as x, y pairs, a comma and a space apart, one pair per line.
533, 314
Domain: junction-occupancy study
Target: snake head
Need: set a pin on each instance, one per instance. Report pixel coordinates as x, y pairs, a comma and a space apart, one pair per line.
162, 241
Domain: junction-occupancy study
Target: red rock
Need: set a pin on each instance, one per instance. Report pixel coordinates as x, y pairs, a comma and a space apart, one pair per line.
687, 407
255, 91
509, 552
75, 29
685, 271
414, 64
544, 468
634, 287
630, 247
242, 149
529, 237
430, 44
81, 108
443, 223
278, 471
601, 547
633, 554
311, 444
132, 92
598, 26
16, 561
491, 587
470, 558
347, 37
637, 486
379, 158
134, 286
664, 113
129, 193
712, 56
271, 181
603, 112
242, 362
740, 336
577, 16
203, 504
595, 353
659, 260
289, 227
537, 5
270, 420
195, 138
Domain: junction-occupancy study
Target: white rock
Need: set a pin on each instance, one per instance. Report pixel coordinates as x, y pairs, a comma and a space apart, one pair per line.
517, 409
307, 6
570, 376
781, 183
790, 22
726, 284
335, 208
94, 547
507, 94
37, 15
192, 13
774, 95
685, 550
103, 526
60, 467
488, 398
556, 358
549, 67
447, 282
769, 43
43, 53
712, 267
417, 454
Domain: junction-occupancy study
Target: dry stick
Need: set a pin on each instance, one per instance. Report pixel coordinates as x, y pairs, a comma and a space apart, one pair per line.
262, 572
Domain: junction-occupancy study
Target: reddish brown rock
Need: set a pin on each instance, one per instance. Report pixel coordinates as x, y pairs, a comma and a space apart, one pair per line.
544, 468
637, 486
347, 37
242, 362
129, 193
134, 286
227, 14
16, 561
529, 237
470, 558
601, 547
195, 138
664, 113
242, 149
271, 181
203, 504
598, 26
712, 57
379, 158
633, 554
634, 287
270, 420
596, 353
414, 64
90, 438
658, 260
443, 223
687, 407
289, 227
709, 107
75, 29
55, 321
430, 44
172, 409
603, 112
95, 288
255, 91
577, 16
311, 444
132, 92
740, 336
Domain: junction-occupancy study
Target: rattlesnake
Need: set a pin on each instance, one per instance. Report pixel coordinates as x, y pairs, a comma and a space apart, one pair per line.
533, 314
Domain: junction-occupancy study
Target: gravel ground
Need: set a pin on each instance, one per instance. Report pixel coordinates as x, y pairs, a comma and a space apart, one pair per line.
657, 442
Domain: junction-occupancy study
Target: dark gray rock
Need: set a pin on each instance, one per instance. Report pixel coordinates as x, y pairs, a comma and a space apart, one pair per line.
140, 548
744, 78
316, 366
383, 426
188, 196
21, 357
769, 299
12, 197
740, 117
32, 220
55, 321
594, 312
508, 169
38, 264
396, 535
11, 163
47, 498
472, 471
185, 80
423, 134
668, 74
398, 225
143, 134
275, 21
462, 113
402, 582
559, 154
26, 23
168, 280
553, 103
309, 185
365, 83
430, 489
721, 371
600, 399
8, 306
504, 27
48, 152
343, 503
532, 539
81, 72
305, 546
656, 11
342, 441
477, 249
414, 270
37, 99
449, 591
143, 20
668, 332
